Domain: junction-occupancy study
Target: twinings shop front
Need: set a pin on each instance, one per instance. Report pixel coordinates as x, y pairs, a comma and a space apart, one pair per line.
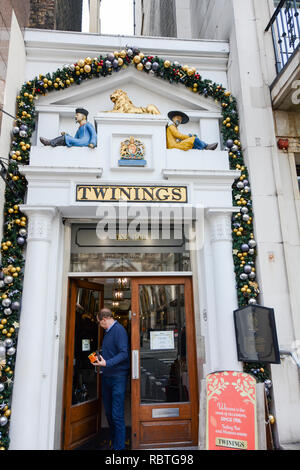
122, 216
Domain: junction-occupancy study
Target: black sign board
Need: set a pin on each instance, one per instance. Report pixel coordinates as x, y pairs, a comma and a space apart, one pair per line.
256, 335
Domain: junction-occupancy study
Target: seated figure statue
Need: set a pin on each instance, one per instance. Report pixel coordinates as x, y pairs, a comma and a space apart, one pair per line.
176, 140
85, 136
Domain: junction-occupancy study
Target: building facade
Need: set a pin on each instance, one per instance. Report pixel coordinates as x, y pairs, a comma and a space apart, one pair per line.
263, 73
166, 273
151, 232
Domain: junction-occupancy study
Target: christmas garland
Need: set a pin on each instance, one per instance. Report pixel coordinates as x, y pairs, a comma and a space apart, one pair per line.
15, 223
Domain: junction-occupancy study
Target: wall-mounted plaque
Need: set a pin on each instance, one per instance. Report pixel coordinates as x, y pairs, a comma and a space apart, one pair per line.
231, 411
256, 335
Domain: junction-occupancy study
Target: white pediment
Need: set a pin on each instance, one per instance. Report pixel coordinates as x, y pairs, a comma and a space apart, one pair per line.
143, 89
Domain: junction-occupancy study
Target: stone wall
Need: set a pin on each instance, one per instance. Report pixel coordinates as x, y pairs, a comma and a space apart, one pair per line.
64, 15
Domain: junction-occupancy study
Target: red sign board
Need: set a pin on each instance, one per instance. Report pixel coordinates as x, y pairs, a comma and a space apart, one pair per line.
231, 411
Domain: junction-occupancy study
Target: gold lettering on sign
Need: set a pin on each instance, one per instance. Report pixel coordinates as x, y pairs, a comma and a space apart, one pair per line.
231, 443
107, 193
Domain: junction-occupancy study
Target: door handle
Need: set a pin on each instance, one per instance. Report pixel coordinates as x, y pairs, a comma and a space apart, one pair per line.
135, 364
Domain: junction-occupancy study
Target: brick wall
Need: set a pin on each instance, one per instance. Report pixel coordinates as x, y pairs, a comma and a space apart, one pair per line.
62, 15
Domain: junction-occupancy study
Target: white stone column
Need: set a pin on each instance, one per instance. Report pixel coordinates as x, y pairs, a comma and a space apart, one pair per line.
225, 290
27, 396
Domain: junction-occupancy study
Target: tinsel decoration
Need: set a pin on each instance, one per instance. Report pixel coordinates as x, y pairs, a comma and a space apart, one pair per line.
15, 223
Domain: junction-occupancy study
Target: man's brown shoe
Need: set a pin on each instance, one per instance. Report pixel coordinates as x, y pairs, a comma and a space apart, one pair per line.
45, 141
212, 146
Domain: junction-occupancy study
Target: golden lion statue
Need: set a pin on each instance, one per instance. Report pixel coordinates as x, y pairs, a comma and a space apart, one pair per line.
123, 104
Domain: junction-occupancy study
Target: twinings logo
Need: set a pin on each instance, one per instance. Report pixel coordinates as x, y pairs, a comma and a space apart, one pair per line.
108, 193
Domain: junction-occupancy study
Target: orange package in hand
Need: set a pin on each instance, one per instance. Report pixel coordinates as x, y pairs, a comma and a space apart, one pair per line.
93, 357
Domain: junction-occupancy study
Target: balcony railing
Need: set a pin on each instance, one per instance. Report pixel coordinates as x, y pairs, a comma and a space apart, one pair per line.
285, 27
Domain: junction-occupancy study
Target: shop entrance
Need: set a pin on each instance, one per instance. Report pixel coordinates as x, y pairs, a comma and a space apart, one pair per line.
161, 405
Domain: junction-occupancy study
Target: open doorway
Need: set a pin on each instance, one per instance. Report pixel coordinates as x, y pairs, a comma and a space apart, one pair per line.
84, 422
161, 403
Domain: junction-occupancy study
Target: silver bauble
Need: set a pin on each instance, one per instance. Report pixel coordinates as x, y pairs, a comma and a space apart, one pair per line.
7, 311
251, 251
8, 342
23, 232
252, 243
234, 148
15, 305
247, 188
16, 130
1, 387
148, 65
11, 351
244, 247
252, 275
240, 185
129, 52
8, 279
1, 284
247, 269
23, 134
110, 56
229, 143
155, 66
246, 217
3, 421
244, 276
6, 302
244, 210
108, 64
252, 301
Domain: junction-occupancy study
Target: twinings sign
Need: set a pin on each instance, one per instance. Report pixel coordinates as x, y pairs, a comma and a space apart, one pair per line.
231, 411
113, 193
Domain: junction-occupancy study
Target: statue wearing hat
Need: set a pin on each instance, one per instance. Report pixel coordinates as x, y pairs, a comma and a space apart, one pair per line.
176, 140
85, 136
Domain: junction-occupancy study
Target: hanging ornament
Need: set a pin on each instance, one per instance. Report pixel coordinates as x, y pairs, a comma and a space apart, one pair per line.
15, 305
6, 302
3, 421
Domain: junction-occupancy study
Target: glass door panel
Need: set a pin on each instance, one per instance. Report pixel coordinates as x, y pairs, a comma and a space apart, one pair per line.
163, 359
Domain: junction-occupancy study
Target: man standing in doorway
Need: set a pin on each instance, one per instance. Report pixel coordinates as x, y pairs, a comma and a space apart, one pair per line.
115, 367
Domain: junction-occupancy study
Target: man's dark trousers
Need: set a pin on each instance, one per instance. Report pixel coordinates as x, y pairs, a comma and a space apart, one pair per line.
113, 396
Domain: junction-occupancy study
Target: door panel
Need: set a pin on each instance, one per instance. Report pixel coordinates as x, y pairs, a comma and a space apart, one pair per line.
82, 405
164, 392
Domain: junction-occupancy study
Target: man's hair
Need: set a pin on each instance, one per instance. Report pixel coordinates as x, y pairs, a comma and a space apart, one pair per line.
104, 313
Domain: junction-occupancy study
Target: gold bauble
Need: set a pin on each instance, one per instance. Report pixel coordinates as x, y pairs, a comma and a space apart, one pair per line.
141, 55
120, 61
123, 54
80, 63
185, 68
137, 59
190, 72
88, 60
167, 64
87, 68
116, 53
272, 419
140, 66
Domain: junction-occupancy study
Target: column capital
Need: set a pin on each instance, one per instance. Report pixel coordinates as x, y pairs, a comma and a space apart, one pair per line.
40, 222
220, 223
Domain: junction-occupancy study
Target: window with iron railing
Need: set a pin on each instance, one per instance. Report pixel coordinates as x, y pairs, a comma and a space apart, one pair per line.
285, 27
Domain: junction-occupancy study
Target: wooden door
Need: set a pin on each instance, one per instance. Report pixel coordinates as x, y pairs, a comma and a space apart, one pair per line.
164, 386
82, 399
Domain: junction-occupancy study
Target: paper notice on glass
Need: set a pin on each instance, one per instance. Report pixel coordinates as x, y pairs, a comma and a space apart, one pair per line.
86, 345
162, 340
